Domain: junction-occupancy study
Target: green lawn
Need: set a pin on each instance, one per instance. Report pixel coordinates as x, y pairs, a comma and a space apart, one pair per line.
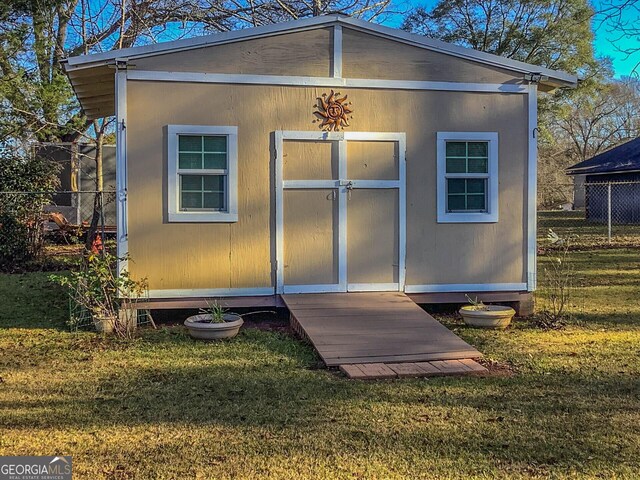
163, 406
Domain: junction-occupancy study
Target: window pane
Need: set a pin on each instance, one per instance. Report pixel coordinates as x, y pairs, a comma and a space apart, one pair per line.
214, 183
191, 182
215, 144
477, 165
214, 201
190, 143
215, 160
455, 202
476, 202
191, 200
475, 185
455, 185
190, 160
456, 149
456, 165
478, 149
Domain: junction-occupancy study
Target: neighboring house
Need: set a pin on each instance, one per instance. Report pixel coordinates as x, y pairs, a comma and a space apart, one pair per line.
230, 183
579, 202
611, 177
78, 179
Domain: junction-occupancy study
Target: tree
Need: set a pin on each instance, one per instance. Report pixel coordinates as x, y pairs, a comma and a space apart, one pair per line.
36, 100
21, 231
553, 34
585, 124
594, 122
622, 20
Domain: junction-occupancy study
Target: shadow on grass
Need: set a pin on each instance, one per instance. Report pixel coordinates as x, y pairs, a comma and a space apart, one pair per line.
561, 419
31, 300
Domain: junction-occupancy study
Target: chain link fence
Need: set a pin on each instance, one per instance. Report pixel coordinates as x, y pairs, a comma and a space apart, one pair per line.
65, 211
610, 217
78, 207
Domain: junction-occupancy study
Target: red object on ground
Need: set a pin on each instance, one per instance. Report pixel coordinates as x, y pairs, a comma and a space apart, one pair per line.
97, 246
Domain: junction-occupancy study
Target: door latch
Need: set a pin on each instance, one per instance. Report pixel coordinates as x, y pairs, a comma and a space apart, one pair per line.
347, 183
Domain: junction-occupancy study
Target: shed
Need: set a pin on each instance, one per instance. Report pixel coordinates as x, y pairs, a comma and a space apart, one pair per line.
326, 154
610, 184
78, 179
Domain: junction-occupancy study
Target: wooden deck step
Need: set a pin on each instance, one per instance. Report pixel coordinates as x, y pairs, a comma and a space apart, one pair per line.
380, 328
438, 368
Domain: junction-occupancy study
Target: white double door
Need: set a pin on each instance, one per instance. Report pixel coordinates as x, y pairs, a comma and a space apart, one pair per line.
340, 211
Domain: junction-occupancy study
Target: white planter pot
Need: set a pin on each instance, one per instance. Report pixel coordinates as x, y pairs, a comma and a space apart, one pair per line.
104, 324
199, 328
495, 316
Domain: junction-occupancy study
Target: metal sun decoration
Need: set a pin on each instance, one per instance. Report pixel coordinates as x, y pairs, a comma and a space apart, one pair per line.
333, 111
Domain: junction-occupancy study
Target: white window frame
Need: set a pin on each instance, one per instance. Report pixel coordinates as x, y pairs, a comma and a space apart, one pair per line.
491, 215
173, 187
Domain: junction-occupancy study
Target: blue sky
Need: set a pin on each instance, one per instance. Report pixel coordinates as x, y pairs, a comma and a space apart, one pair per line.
607, 42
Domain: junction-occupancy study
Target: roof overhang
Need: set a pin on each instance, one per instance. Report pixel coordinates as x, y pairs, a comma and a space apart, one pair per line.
93, 76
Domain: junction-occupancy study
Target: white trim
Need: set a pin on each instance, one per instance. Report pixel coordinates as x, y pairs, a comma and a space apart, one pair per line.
466, 287
376, 183
532, 179
341, 186
336, 61
343, 237
310, 184
402, 220
373, 287
122, 241
375, 136
318, 22
278, 139
400, 184
174, 214
301, 81
311, 136
319, 184
491, 216
329, 288
212, 292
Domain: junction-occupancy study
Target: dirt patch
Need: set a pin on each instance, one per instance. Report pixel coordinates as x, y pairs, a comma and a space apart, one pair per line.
497, 369
272, 320
268, 322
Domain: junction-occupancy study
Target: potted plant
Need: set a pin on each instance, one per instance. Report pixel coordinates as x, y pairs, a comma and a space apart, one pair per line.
107, 297
214, 323
477, 314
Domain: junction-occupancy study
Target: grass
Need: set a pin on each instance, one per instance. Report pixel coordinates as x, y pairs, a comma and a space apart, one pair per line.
164, 406
586, 234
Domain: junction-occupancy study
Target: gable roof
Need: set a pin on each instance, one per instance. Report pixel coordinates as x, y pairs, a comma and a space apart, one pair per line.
623, 158
98, 66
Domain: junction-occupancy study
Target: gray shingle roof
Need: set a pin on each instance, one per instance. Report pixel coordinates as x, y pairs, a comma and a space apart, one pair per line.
623, 158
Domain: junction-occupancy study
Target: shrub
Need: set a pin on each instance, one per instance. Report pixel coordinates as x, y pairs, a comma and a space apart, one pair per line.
15, 244
26, 184
103, 294
558, 283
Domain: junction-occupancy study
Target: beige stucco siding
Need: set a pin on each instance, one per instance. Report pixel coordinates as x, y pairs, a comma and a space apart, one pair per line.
309, 53
301, 53
368, 56
188, 256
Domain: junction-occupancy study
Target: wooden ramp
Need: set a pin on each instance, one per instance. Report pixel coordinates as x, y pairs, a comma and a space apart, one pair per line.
381, 328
